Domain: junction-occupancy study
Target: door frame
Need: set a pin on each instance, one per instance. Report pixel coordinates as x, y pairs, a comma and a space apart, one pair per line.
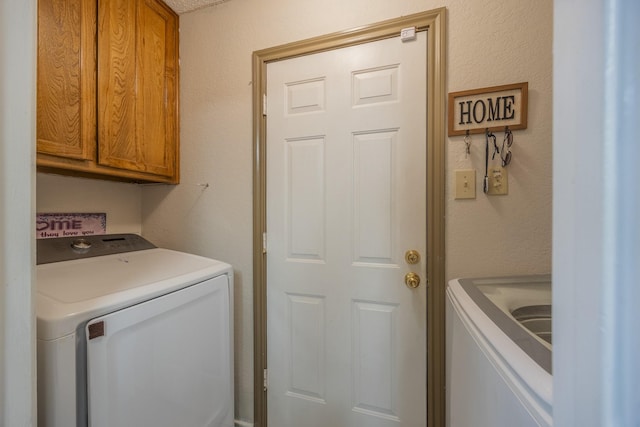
434, 22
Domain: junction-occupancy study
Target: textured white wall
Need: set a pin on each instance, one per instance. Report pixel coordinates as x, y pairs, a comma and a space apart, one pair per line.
489, 43
494, 43
120, 201
17, 177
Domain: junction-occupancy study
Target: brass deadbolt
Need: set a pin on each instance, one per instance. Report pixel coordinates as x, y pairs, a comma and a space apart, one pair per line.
412, 257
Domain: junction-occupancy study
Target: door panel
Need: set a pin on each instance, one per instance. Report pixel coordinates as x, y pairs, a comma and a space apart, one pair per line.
164, 362
346, 197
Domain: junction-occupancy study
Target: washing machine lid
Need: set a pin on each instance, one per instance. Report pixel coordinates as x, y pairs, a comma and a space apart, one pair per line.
72, 292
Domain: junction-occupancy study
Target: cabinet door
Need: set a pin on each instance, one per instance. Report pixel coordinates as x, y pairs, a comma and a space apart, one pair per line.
137, 91
66, 105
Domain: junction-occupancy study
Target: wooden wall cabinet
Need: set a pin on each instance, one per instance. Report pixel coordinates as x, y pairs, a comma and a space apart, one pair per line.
107, 94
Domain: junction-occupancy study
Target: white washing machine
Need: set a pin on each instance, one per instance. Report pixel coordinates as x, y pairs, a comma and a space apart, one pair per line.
498, 371
132, 335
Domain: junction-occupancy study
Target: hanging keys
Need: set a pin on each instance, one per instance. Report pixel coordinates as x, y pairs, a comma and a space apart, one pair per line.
467, 143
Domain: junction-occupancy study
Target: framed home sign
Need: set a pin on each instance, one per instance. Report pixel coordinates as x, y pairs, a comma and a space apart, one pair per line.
493, 108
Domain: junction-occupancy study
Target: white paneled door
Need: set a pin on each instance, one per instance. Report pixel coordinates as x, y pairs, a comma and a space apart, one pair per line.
346, 200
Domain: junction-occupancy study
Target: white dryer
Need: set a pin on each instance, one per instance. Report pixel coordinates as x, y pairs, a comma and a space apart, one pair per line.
132, 335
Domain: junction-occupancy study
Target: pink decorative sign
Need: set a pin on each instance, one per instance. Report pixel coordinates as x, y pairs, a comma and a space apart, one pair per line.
50, 225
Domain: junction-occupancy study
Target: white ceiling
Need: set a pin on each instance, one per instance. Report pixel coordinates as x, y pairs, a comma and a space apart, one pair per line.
182, 6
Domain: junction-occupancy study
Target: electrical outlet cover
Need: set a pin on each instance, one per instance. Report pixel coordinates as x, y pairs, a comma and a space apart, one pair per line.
498, 182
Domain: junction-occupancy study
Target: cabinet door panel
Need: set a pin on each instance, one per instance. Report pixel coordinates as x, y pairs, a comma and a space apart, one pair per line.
117, 84
156, 73
66, 94
136, 96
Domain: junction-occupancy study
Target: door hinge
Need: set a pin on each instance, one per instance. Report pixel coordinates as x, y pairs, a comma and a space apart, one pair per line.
265, 381
264, 243
264, 104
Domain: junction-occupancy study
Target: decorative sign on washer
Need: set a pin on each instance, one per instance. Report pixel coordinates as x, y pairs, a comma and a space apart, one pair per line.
50, 225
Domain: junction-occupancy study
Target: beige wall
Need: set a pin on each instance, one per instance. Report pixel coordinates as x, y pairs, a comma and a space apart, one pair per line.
120, 201
489, 43
493, 43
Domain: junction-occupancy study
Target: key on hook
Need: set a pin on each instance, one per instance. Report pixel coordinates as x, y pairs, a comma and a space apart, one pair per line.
467, 142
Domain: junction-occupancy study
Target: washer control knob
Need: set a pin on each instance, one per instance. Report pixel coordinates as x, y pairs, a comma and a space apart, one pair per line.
81, 245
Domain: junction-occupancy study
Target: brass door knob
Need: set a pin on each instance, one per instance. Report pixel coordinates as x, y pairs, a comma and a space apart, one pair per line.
412, 280
412, 257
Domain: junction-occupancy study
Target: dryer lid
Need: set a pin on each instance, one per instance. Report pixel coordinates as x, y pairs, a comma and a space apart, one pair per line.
72, 292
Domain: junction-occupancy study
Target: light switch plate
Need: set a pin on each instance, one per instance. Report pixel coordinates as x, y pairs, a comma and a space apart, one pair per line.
465, 184
498, 182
